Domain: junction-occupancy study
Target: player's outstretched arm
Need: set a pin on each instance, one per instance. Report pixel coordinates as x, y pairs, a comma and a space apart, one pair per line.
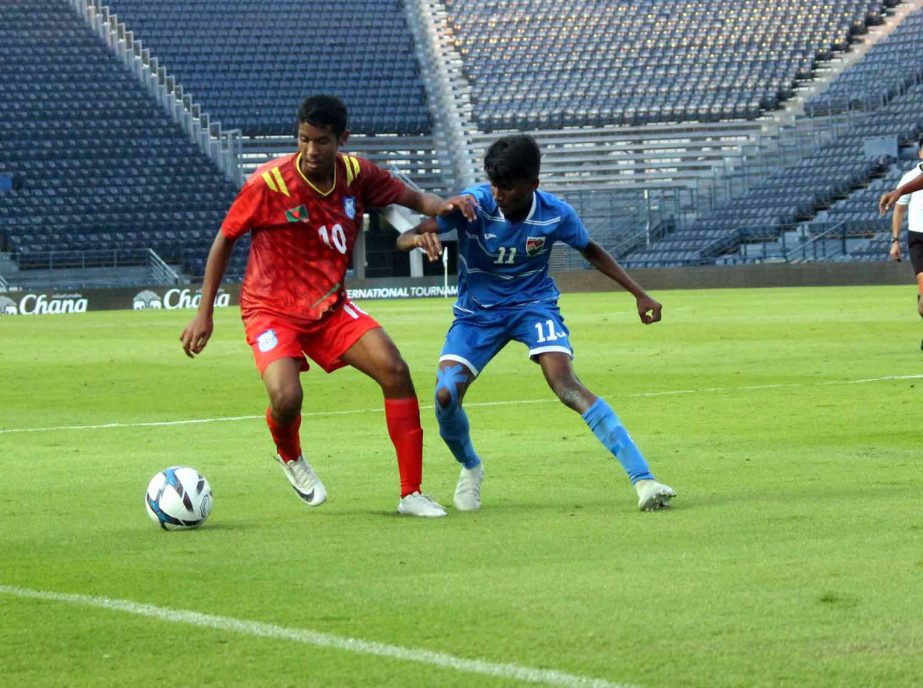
648, 309
431, 205
426, 236
197, 333
889, 199
897, 220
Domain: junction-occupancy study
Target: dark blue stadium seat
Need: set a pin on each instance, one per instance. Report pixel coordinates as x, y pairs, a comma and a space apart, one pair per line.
542, 67
269, 61
100, 159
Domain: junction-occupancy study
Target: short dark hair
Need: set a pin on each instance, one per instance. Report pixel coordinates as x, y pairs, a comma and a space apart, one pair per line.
324, 111
513, 158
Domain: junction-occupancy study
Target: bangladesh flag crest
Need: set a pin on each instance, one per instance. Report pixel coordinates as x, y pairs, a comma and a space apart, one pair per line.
299, 214
534, 245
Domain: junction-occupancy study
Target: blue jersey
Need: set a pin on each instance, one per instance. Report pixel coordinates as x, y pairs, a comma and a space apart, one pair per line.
504, 264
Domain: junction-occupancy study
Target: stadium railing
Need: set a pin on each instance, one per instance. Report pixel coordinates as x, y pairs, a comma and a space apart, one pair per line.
160, 272
222, 146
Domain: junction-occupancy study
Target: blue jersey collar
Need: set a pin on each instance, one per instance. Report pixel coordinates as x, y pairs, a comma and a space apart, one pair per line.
527, 217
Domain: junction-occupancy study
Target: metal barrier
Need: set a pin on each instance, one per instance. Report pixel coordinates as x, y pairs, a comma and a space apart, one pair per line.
95, 258
159, 271
822, 240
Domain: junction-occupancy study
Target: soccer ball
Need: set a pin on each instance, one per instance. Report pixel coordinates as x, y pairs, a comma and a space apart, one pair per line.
178, 498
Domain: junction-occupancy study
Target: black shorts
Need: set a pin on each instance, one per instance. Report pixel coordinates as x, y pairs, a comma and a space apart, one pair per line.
915, 244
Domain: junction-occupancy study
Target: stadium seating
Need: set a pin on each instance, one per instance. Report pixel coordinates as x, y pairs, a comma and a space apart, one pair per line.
885, 71
773, 206
587, 63
837, 180
103, 166
251, 64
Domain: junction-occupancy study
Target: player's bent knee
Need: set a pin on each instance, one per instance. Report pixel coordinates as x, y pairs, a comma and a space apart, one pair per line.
286, 403
400, 369
395, 373
451, 382
445, 400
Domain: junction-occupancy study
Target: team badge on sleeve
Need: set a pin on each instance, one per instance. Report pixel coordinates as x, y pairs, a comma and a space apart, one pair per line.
534, 245
349, 206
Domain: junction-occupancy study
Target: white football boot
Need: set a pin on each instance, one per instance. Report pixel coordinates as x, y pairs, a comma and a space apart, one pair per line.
653, 495
468, 490
418, 504
304, 480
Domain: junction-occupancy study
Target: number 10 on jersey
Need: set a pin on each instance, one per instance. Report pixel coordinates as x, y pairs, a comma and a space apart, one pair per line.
335, 238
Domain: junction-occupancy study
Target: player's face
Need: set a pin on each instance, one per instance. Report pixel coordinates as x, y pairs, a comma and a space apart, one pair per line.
318, 147
513, 197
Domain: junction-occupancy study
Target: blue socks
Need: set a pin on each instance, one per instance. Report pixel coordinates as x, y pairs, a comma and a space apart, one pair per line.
609, 430
605, 424
453, 421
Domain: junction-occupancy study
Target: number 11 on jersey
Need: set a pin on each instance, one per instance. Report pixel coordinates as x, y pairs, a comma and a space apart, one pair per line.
503, 259
551, 336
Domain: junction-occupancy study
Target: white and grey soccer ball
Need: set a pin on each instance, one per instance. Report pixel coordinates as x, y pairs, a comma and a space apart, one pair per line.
178, 498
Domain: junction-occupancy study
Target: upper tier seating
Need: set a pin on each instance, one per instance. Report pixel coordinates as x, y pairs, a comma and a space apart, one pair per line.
548, 64
885, 70
103, 166
825, 179
250, 64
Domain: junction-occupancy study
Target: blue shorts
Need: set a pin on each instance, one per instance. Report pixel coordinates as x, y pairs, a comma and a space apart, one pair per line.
475, 338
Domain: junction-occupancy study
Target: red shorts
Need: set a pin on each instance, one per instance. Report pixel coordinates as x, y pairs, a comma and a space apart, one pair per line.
324, 341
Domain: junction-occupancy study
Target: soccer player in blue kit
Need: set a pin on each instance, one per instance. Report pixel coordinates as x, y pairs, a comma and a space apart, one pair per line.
505, 293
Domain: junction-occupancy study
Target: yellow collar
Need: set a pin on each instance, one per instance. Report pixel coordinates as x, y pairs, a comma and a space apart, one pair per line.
322, 193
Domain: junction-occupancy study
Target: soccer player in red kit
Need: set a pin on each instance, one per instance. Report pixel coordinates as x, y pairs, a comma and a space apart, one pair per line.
304, 211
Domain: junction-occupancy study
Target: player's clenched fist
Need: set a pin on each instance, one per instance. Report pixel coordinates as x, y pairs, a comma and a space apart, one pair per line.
649, 310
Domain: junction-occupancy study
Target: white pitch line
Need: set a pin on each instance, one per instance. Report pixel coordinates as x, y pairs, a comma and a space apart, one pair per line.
552, 400
258, 629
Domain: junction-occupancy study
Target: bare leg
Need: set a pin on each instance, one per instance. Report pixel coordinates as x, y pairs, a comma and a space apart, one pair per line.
377, 356
602, 420
559, 373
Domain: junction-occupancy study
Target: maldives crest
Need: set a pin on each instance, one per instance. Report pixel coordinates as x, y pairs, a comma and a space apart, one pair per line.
349, 206
299, 214
534, 245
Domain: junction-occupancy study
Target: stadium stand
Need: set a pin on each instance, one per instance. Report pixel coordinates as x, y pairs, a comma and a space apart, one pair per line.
839, 180
886, 71
591, 63
120, 146
359, 50
641, 107
102, 167
251, 64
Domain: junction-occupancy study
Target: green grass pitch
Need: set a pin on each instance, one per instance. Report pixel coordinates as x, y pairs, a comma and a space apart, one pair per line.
786, 419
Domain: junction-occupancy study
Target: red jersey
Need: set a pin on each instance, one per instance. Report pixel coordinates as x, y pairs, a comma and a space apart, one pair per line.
303, 237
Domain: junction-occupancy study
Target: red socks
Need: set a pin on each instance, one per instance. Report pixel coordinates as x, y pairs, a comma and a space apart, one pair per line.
286, 437
403, 417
